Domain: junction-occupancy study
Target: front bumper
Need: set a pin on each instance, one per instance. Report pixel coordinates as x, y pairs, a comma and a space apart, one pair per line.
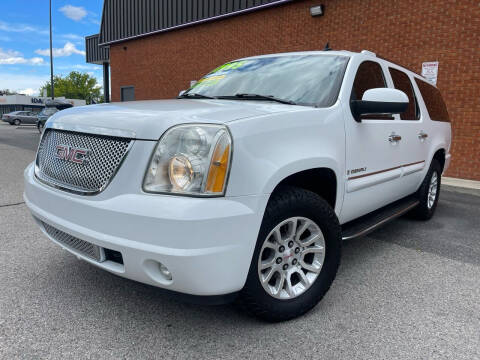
207, 244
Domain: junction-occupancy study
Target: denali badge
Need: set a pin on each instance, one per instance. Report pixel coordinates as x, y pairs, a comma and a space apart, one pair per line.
69, 153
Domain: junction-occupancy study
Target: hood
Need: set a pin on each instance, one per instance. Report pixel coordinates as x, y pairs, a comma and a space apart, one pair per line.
150, 119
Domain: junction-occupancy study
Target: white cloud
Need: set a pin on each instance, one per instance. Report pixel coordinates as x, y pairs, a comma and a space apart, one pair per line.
37, 61
67, 50
21, 82
29, 92
75, 13
21, 28
10, 57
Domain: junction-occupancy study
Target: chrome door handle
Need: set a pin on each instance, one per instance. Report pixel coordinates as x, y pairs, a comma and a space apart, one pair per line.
422, 135
394, 138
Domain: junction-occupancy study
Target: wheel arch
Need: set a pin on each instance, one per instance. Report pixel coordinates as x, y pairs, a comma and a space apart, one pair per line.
439, 155
321, 179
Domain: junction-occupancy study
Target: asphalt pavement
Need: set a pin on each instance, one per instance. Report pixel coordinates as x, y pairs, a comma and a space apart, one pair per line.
410, 290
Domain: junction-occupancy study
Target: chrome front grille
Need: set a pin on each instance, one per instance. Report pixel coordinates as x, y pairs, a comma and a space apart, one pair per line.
88, 176
83, 247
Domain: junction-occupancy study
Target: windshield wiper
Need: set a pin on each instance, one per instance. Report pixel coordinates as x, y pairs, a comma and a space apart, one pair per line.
258, 97
194, 96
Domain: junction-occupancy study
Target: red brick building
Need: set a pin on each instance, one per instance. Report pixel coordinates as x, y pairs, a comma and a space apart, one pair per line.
159, 46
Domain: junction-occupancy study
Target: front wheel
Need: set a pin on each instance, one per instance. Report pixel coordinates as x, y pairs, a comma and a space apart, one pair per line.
296, 256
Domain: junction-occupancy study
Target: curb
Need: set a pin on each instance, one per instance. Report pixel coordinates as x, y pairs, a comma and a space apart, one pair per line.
461, 183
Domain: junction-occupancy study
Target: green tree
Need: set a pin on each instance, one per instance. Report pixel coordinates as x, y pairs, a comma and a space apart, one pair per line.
75, 85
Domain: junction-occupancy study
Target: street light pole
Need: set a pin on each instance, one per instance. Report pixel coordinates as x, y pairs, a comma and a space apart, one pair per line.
51, 54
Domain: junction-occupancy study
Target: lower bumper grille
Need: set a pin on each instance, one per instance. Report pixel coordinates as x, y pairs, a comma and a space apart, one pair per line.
83, 247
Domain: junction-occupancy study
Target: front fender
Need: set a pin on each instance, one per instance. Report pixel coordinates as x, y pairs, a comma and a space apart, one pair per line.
267, 150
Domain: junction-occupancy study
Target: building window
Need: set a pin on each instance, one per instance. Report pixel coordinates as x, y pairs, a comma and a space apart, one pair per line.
127, 93
402, 83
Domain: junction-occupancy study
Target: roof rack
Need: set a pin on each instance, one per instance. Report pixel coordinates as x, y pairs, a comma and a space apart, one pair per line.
366, 52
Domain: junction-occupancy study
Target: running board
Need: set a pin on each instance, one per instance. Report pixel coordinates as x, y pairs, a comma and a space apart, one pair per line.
368, 223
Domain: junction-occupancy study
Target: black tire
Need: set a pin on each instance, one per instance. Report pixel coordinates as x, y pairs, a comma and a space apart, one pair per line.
285, 203
423, 211
40, 127
10, 122
17, 122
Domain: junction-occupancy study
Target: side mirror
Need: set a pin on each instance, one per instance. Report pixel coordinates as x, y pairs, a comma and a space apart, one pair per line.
181, 92
379, 101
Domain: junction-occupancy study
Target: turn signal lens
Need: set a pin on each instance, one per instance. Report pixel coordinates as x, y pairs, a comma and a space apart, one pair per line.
217, 174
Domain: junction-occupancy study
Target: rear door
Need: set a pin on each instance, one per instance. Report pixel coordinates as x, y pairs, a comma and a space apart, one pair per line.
375, 150
32, 118
23, 116
415, 139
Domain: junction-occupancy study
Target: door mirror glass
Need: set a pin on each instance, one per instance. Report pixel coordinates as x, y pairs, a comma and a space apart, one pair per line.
382, 101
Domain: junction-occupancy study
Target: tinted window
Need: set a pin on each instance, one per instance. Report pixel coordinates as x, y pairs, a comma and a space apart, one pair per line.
303, 79
369, 76
433, 101
402, 82
48, 111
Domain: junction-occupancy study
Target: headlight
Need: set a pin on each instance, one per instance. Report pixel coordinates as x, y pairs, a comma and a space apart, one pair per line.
191, 160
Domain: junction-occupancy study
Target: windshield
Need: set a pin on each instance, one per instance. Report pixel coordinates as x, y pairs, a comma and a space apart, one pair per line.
302, 79
48, 111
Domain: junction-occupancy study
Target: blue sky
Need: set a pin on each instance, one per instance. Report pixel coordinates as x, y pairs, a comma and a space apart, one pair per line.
24, 41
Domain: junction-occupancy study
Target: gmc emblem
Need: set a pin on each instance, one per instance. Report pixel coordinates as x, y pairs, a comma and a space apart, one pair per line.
72, 154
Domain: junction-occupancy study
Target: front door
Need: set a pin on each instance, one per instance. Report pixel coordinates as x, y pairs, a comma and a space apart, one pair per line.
375, 151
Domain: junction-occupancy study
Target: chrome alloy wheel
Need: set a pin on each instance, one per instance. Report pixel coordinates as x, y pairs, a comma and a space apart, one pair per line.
291, 258
432, 190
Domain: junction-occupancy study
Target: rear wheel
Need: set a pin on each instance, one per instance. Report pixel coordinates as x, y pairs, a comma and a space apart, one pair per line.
296, 257
17, 122
428, 193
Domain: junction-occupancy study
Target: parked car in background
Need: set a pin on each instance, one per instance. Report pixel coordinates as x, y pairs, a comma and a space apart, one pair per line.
51, 107
20, 117
246, 185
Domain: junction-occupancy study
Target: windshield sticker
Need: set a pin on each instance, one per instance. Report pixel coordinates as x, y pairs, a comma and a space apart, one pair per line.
230, 66
209, 81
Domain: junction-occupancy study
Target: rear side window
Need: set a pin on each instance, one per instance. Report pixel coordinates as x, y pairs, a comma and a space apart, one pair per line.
402, 82
369, 76
433, 101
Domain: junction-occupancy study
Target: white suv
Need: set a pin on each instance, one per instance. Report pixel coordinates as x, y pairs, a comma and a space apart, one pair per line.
244, 187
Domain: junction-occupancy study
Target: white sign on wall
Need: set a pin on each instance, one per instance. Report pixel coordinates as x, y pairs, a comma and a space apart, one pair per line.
430, 71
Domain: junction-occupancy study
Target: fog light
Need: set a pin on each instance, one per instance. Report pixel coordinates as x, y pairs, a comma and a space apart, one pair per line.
165, 272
